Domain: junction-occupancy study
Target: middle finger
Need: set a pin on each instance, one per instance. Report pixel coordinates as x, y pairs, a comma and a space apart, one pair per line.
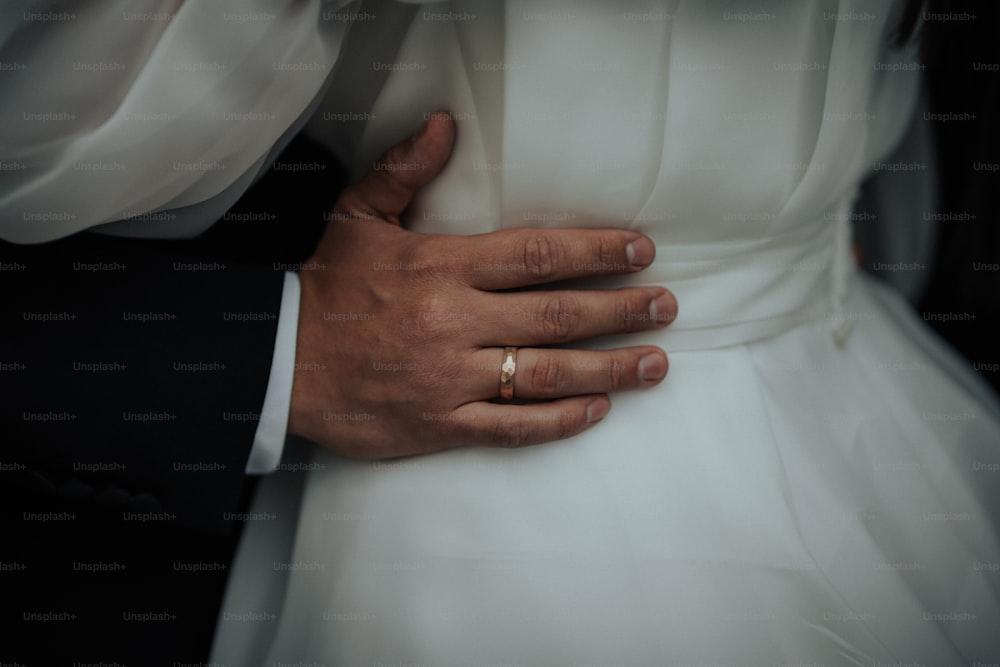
560, 316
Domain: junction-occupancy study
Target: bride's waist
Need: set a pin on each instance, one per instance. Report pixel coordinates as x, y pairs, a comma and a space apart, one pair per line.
732, 286
735, 299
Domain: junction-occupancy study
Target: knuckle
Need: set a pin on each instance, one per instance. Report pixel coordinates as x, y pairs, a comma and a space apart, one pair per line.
392, 158
608, 253
541, 256
442, 256
352, 205
426, 320
558, 317
547, 376
627, 312
566, 424
391, 155
438, 259
509, 432
617, 379
418, 263
397, 169
414, 255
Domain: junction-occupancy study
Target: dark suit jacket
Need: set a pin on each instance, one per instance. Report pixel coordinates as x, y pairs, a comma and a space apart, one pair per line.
133, 375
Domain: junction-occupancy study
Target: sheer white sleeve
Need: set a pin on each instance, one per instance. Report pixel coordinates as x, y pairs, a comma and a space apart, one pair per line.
154, 116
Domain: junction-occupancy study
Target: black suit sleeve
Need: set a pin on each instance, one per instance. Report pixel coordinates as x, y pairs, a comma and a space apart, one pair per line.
135, 374
134, 371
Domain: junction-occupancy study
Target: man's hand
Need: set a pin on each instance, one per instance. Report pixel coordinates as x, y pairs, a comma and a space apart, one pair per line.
401, 338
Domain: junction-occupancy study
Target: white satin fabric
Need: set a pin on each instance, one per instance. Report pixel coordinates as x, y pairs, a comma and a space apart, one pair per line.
795, 492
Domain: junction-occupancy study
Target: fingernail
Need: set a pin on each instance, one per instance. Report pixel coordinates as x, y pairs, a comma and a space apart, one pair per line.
663, 309
597, 410
640, 252
652, 367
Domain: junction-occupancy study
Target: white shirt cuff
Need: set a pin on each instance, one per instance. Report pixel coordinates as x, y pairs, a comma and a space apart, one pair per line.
269, 441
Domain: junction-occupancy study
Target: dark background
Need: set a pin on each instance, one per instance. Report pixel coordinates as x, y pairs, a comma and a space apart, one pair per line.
952, 50
38, 557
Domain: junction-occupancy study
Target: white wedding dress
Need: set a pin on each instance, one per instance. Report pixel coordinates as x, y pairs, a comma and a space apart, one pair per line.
811, 484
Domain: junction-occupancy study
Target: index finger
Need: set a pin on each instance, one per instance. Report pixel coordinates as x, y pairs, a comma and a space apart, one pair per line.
512, 258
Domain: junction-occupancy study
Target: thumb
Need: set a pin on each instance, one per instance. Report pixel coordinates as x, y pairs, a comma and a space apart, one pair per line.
396, 177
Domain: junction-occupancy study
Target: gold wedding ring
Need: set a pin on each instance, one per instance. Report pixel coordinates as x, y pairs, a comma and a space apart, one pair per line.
507, 369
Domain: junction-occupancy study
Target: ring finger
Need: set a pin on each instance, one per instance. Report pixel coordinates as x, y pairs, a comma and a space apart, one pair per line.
543, 373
